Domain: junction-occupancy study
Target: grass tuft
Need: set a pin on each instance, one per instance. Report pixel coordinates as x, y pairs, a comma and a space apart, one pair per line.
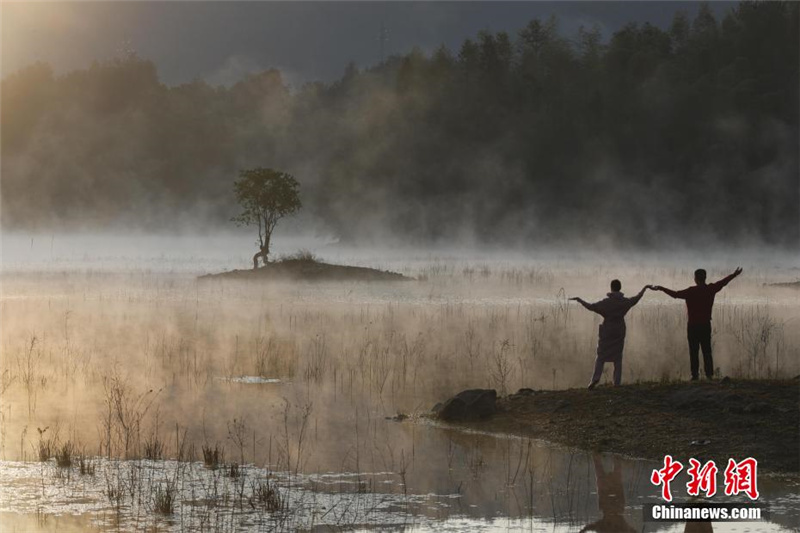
64, 454
164, 498
265, 495
212, 457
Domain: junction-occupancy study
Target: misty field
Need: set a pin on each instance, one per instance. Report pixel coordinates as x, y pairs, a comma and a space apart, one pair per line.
150, 397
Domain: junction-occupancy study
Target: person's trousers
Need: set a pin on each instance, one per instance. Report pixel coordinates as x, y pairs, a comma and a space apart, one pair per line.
598, 368
699, 336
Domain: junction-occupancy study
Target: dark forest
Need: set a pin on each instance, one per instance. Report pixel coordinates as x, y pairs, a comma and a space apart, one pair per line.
687, 134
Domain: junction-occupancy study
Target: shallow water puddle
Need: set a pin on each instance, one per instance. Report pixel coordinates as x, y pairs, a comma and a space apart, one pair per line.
250, 380
124, 495
458, 481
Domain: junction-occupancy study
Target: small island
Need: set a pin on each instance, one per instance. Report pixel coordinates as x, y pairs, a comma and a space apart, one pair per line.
267, 196
301, 269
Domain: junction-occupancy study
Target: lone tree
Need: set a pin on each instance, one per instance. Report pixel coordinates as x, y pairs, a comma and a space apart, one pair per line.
266, 196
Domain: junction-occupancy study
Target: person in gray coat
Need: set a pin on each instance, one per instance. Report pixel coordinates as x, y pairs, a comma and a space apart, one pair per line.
611, 341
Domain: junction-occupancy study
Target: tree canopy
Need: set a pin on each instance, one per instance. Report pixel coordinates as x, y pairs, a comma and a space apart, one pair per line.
266, 196
686, 133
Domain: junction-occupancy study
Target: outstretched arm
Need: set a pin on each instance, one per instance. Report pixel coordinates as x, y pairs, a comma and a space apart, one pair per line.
675, 294
727, 279
635, 300
587, 305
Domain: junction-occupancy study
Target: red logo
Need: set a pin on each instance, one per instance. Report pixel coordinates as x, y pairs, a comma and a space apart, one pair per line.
665, 476
704, 478
739, 477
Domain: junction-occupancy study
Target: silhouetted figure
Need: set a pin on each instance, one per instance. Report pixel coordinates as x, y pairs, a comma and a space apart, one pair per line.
611, 339
699, 303
610, 498
699, 527
704, 526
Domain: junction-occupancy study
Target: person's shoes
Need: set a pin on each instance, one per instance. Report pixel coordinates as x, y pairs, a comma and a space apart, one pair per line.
592, 385
695, 378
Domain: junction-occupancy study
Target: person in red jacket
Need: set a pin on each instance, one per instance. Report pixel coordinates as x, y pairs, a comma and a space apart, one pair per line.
699, 302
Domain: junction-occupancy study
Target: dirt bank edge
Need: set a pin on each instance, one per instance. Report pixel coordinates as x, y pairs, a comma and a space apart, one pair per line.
706, 420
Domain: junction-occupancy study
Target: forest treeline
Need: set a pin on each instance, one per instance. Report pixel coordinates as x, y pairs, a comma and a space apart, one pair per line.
686, 133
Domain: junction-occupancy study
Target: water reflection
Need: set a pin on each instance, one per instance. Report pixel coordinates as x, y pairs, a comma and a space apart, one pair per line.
699, 527
451, 480
610, 498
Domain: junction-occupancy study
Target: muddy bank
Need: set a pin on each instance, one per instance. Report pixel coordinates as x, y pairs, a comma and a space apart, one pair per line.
707, 420
308, 270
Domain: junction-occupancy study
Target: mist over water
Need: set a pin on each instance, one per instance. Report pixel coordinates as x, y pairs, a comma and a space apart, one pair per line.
213, 251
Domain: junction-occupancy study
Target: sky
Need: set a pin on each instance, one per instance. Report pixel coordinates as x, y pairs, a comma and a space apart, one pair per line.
224, 40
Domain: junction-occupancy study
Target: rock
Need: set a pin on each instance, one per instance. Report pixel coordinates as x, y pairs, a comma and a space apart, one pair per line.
470, 404
521, 394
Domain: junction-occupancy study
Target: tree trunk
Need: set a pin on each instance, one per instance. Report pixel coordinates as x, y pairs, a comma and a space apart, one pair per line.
263, 253
265, 248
